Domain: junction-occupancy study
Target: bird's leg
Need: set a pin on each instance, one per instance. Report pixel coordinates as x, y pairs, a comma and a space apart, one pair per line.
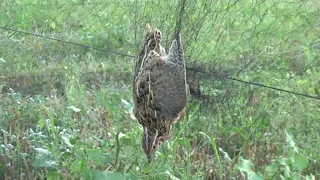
181, 115
176, 53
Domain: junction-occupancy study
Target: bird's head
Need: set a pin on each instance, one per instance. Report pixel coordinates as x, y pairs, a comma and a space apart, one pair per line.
151, 141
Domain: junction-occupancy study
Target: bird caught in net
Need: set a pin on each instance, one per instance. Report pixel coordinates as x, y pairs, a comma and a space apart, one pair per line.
159, 89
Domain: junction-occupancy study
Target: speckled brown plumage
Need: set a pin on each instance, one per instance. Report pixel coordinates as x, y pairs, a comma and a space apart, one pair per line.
159, 89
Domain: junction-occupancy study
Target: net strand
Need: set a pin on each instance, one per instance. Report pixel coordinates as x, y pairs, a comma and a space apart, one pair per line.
190, 69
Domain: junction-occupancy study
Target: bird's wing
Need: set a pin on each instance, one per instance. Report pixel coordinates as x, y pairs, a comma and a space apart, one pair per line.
162, 86
160, 81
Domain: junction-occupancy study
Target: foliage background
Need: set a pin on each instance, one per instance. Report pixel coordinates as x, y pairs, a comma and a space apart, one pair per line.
66, 110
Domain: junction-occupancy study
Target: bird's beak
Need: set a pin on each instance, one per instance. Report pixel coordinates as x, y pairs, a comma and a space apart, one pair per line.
149, 158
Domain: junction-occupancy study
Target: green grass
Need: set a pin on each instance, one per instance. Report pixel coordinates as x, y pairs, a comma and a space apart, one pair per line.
66, 111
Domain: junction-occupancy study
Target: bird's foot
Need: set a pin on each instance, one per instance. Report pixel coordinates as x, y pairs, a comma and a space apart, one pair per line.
181, 115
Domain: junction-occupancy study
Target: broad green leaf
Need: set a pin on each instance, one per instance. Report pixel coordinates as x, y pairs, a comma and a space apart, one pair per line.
88, 175
44, 159
107, 158
286, 170
83, 164
67, 141
53, 175
75, 166
255, 176
102, 175
300, 162
290, 142
245, 165
131, 177
96, 156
